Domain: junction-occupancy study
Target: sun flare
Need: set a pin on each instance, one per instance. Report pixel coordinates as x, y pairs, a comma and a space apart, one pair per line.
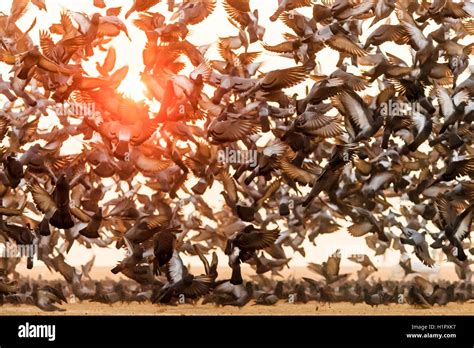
133, 87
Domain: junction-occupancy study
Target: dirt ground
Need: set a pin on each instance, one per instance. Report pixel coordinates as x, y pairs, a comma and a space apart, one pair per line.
281, 308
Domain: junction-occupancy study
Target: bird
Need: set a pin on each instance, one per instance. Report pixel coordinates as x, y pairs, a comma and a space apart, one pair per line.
417, 239
456, 224
287, 5
181, 282
243, 245
141, 5
164, 243
330, 268
55, 205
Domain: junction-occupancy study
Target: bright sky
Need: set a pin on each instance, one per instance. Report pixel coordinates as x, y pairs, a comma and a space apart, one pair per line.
129, 53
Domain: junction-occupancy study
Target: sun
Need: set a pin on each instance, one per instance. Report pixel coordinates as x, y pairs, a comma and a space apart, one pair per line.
133, 87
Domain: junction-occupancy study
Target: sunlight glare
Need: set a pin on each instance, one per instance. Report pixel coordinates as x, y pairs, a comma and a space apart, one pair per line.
133, 87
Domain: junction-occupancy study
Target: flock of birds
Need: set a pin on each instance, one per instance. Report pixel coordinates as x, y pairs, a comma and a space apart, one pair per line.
400, 177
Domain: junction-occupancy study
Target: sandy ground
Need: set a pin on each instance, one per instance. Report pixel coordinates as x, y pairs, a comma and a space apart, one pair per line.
281, 308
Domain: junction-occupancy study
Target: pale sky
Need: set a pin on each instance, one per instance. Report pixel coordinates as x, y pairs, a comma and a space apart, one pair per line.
216, 25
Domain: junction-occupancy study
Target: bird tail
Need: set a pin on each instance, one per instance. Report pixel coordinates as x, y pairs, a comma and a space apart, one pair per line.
116, 269
43, 228
62, 219
200, 187
245, 213
265, 123
284, 209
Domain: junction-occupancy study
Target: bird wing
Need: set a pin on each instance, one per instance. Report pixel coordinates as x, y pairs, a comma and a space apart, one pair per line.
156, 221
229, 185
343, 44
298, 174
237, 10
269, 191
147, 164
18, 9
42, 199
422, 252
113, 11
47, 44
66, 24
202, 258
82, 20
100, 4
247, 58
284, 78
301, 3
360, 229
424, 284
233, 130
258, 239
47, 64
355, 110
445, 102
461, 96
332, 265
284, 47
465, 167
462, 227
29, 130
175, 268
109, 62
317, 120
415, 33
200, 286
316, 268
330, 130
276, 149
80, 214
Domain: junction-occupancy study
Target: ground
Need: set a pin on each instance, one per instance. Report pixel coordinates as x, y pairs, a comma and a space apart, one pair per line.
281, 308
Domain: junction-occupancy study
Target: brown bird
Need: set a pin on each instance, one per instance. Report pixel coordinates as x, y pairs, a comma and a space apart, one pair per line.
242, 246
164, 244
55, 206
287, 5
140, 6
91, 230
